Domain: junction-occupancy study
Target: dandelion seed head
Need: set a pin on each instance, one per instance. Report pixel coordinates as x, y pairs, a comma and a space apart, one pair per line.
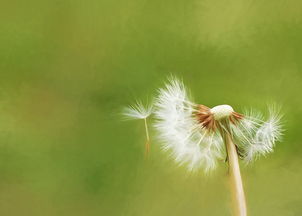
193, 133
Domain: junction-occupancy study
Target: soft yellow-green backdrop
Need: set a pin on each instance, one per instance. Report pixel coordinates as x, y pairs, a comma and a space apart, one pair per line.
67, 67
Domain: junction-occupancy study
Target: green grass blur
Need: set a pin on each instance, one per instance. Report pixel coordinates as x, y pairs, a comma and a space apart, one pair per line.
68, 67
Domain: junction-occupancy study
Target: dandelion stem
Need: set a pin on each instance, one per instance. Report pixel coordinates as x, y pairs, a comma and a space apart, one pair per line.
235, 178
147, 145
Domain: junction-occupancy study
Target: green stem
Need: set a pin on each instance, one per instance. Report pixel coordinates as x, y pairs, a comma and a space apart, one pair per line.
235, 177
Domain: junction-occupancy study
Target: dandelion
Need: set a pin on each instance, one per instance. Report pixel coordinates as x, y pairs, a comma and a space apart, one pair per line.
138, 111
199, 137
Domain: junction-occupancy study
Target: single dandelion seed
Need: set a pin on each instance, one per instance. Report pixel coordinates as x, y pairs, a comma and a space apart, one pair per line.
138, 111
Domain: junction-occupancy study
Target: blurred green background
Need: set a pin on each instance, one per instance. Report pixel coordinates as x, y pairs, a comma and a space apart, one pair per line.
67, 67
